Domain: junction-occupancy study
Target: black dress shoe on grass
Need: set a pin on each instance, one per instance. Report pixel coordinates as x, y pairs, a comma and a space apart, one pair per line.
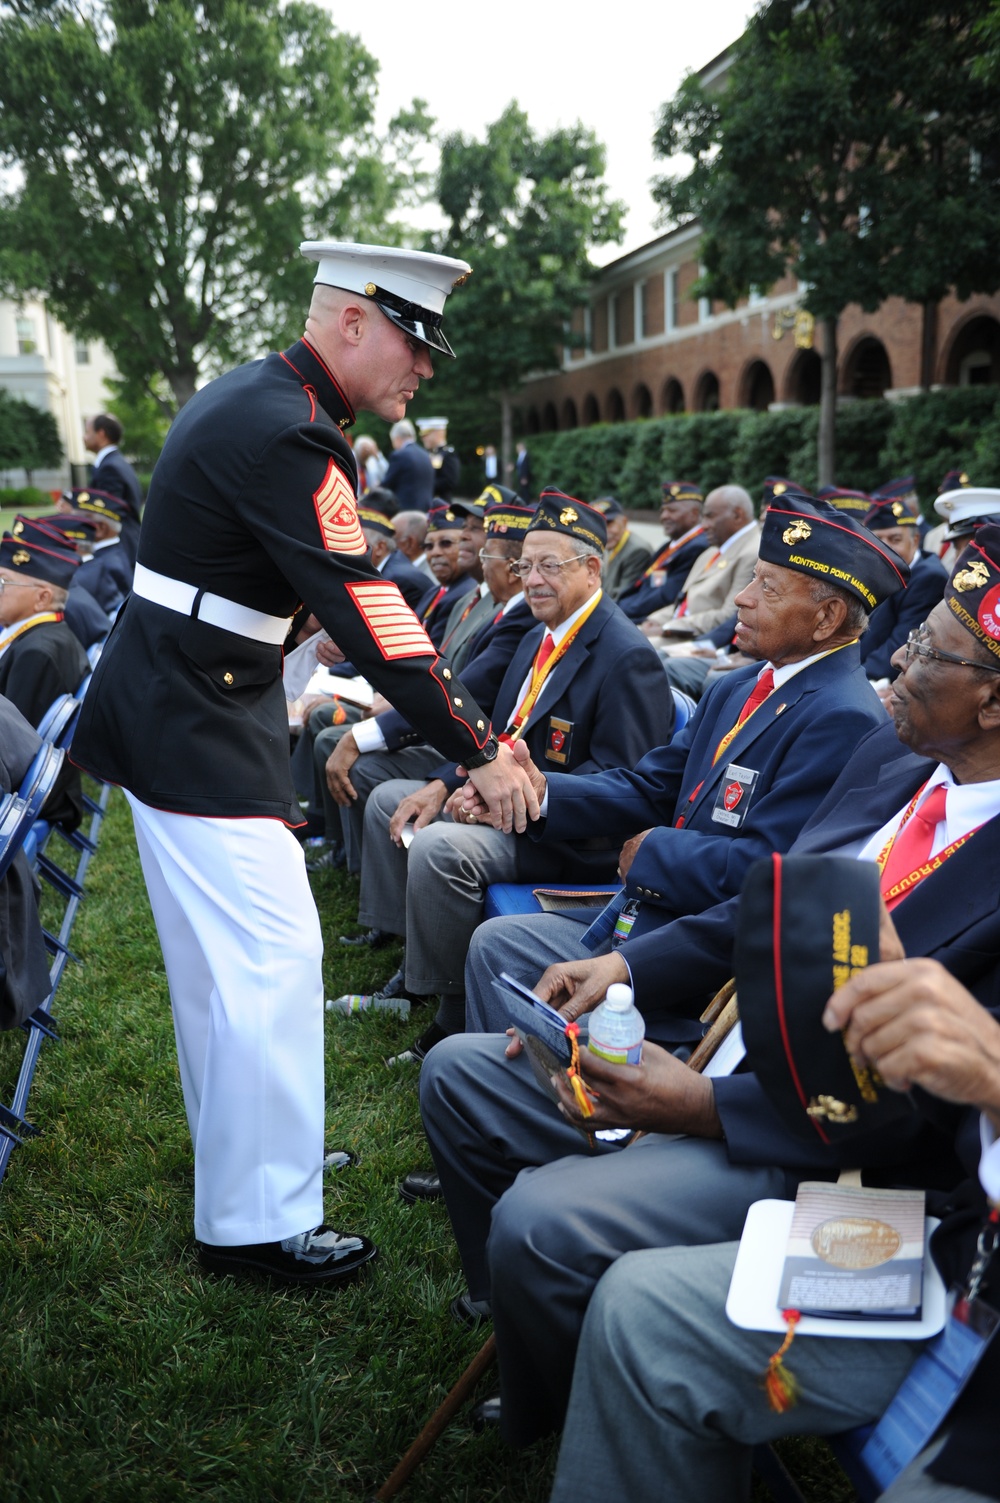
421, 1184
486, 1414
320, 1257
470, 1312
374, 938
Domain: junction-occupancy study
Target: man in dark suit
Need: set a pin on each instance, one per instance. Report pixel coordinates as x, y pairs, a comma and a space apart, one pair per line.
410, 474
667, 1397
522, 473
40, 658
456, 576
577, 1216
663, 578
583, 693
894, 619
112, 473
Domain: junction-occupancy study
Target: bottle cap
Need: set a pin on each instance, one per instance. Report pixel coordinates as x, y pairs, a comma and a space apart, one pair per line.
619, 997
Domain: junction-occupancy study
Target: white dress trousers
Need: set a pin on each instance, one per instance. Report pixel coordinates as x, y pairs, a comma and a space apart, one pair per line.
242, 948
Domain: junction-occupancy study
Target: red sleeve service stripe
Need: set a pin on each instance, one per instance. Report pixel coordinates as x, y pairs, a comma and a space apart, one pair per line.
387, 616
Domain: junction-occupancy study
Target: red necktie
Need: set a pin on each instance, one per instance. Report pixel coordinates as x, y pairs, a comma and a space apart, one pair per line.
761, 689
545, 651
912, 847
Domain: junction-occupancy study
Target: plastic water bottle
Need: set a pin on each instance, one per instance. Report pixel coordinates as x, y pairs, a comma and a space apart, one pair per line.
617, 1028
360, 1002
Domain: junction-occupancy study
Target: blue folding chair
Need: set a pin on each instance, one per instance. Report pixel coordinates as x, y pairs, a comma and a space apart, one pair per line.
19, 811
59, 715
94, 653
684, 708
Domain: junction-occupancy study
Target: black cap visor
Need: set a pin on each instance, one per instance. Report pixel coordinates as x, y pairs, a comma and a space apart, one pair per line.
419, 323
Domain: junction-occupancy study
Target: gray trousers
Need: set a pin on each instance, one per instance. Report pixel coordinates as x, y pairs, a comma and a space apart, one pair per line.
666, 1401
539, 1217
434, 892
522, 945
370, 769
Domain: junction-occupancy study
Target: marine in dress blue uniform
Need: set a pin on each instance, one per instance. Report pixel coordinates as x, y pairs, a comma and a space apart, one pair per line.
252, 511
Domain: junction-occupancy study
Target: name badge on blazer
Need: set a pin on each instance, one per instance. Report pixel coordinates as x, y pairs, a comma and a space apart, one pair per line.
558, 740
733, 798
658, 578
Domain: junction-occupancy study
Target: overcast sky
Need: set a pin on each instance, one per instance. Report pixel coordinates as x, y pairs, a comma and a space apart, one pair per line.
610, 67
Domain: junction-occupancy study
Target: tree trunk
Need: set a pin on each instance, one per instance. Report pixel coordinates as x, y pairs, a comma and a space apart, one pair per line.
183, 384
506, 442
928, 345
827, 457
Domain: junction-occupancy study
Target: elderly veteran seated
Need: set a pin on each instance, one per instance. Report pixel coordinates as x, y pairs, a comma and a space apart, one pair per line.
721, 570
352, 760
583, 691
663, 578
667, 1399
627, 556
896, 524
921, 799
84, 617
455, 577
109, 569
40, 658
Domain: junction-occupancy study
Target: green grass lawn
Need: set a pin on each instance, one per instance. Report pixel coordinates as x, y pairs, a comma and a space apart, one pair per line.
129, 1376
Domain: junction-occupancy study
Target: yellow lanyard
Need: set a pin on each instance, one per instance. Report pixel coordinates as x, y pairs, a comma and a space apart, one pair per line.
539, 675
27, 625
667, 553
619, 545
915, 877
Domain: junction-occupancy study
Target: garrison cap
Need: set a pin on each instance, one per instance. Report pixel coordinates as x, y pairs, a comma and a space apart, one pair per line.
886, 515
375, 521
557, 512
681, 490
903, 488
955, 480
808, 535
475, 509
777, 485
506, 514
609, 507
845, 499
444, 519
52, 561
409, 287
98, 504
972, 593
59, 531
806, 925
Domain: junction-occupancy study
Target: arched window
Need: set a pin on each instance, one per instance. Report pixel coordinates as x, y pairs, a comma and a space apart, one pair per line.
802, 383
531, 424
706, 393
642, 401
550, 420
866, 371
757, 386
569, 418
974, 357
673, 395
615, 406
591, 413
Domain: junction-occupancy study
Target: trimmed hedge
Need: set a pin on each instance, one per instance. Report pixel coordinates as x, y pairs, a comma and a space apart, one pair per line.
925, 435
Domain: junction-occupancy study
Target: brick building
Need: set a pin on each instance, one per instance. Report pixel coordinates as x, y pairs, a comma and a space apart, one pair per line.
649, 349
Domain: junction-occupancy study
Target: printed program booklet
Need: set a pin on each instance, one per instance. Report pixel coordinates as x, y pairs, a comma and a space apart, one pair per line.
855, 1253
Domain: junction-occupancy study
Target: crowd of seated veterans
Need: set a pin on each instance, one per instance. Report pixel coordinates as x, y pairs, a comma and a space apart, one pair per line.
848, 687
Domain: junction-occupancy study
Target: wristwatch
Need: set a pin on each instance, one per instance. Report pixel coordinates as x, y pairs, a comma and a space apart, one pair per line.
489, 753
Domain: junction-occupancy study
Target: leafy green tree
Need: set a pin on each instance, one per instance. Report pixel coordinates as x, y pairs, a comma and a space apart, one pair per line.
29, 438
851, 144
524, 210
167, 157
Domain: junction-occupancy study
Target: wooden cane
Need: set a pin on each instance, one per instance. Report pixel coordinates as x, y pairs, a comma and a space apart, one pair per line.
722, 1009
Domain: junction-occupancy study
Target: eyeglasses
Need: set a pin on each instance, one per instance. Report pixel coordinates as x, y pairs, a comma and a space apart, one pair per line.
917, 646
17, 584
548, 568
499, 558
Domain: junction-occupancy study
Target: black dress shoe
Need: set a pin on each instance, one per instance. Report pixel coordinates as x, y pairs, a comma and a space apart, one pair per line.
329, 858
486, 1413
322, 1256
470, 1312
421, 1184
420, 1047
375, 938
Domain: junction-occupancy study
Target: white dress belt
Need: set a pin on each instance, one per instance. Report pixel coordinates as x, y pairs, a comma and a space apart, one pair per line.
204, 606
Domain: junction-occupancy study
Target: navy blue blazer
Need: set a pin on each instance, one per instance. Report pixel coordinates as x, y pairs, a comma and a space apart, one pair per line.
412, 583
107, 576
482, 673
647, 596
410, 476
84, 617
606, 703
891, 622
754, 800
